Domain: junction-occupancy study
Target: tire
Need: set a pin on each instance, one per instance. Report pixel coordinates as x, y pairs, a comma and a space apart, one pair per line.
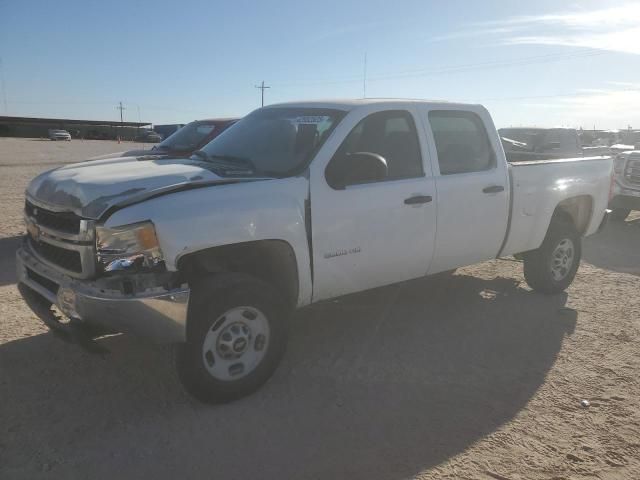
620, 214
552, 267
236, 337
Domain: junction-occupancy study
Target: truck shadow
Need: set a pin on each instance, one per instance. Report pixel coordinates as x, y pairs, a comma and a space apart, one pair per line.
377, 385
8, 247
616, 247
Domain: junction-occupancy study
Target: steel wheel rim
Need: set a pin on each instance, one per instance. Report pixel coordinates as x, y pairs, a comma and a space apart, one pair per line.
562, 259
236, 343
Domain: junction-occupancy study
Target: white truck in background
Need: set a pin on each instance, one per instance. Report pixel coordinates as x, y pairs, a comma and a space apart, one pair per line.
295, 204
626, 189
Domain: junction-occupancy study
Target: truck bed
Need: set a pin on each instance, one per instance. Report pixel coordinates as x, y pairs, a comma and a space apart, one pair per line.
537, 187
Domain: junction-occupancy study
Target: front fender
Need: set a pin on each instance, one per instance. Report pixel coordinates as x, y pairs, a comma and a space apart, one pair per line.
202, 218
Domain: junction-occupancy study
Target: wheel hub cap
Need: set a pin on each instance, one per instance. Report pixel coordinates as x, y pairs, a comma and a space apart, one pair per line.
233, 340
235, 343
562, 259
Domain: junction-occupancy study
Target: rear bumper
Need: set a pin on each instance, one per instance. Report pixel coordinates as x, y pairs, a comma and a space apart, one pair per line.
158, 314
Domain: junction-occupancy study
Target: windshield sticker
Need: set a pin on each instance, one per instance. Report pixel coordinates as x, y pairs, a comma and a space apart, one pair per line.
311, 119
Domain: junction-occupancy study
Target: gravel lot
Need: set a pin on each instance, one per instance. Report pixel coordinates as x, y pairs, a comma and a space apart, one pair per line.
467, 378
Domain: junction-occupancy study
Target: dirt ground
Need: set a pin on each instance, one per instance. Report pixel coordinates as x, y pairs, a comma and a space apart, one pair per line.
473, 377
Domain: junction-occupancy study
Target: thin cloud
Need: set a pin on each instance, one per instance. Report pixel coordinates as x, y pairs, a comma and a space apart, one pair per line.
624, 41
615, 29
595, 104
474, 33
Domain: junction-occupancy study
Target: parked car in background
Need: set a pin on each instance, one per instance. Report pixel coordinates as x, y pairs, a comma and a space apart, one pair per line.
57, 134
183, 142
617, 148
295, 204
524, 144
148, 136
626, 189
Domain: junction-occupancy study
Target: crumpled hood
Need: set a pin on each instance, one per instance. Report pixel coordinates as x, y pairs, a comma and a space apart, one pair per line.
89, 189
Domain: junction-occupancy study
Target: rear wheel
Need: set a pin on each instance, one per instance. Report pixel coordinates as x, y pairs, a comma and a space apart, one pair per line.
552, 267
620, 214
235, 338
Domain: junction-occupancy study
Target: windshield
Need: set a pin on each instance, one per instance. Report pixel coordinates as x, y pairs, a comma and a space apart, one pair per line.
276, 141
188, 137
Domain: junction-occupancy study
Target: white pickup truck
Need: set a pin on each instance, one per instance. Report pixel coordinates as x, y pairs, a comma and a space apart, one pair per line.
626, 190
295, 204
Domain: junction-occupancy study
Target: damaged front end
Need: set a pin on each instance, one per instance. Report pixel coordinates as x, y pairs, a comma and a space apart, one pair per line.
112, 278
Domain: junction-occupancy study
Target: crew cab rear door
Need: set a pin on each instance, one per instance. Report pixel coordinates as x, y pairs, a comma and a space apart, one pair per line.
374, 232
472, 183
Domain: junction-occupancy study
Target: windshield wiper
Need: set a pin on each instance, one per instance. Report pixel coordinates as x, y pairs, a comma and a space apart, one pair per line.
232, 159
202, 154
231, 164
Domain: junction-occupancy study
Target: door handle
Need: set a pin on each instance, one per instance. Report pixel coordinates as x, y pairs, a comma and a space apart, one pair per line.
418, 199
493, 189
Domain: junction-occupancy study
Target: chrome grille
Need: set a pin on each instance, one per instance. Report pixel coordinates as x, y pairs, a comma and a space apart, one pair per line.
62, 240
66, 259
632, 171
67, 222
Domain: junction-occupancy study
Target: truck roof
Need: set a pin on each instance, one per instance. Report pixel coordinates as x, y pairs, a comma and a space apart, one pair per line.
222, 119
349, 104
536, 129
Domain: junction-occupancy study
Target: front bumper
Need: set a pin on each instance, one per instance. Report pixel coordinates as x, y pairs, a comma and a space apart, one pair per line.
157, 314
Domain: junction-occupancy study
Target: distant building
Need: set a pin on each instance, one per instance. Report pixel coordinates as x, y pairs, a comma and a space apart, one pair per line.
89, 129
166, 130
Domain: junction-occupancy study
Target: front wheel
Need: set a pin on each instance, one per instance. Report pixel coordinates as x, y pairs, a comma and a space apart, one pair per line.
236, 336
552, 267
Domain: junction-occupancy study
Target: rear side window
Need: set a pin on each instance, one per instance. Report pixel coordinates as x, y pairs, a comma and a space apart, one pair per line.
461, 141
391, 134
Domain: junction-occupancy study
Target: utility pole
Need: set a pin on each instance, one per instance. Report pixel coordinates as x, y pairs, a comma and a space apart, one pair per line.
262, 88
121, 108
4, 88
364, 77
139, 122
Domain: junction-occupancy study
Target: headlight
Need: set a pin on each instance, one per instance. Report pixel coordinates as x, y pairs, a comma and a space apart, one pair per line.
128, 248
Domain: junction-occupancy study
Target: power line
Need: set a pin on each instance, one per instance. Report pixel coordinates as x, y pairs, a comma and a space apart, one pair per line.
262, 89
364, 77
452, 69
4, 88
559, 95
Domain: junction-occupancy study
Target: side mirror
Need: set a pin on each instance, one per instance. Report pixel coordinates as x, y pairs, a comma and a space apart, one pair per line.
355, 168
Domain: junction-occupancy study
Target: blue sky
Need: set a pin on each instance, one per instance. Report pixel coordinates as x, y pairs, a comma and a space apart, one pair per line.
538, 63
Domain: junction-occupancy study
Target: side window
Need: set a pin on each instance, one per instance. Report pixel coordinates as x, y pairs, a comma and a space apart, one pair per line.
461, 141
390, 134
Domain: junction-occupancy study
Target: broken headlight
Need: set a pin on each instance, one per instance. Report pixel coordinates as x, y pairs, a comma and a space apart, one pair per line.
127, 248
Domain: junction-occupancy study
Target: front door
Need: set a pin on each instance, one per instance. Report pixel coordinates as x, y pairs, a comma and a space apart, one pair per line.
373, 233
